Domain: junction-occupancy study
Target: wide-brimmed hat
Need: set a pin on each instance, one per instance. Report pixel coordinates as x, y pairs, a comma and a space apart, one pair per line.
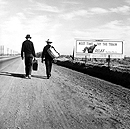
28, 36
48, 41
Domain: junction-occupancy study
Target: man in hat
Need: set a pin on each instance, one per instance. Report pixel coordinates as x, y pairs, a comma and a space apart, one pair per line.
29, 53
48, 58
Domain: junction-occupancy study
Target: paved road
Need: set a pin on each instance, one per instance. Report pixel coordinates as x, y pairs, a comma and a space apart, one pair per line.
68, 100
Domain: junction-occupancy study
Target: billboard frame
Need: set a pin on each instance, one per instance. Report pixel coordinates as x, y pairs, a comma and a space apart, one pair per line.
100, 55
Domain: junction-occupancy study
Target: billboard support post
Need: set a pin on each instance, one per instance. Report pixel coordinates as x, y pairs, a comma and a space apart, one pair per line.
85, 59
108, 60
73, 55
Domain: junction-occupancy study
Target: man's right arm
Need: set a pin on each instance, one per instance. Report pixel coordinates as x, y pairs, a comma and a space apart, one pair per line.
22, 50
43, 55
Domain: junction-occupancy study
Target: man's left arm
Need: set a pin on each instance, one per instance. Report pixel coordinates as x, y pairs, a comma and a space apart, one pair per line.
55, 50
33, 50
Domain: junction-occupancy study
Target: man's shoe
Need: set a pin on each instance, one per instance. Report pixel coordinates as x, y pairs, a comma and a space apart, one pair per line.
29, 76
26, 77
49, 75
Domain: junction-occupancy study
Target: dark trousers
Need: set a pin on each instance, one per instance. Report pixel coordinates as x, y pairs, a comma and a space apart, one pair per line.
48, 64
28, 65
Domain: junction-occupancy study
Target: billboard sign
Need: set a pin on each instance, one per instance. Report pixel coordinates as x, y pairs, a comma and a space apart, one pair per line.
99, 48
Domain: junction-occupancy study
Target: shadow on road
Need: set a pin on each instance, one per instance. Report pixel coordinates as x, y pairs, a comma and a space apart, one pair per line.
12, 74
39, 76
21, 75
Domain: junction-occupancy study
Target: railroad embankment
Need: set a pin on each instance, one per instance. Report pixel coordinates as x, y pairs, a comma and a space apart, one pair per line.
6, 61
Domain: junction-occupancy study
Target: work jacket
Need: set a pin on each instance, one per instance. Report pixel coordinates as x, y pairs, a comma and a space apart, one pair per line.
45, 53
28, 48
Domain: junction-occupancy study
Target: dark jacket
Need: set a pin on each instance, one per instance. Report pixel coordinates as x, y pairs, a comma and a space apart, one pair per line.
27, 48
45, 53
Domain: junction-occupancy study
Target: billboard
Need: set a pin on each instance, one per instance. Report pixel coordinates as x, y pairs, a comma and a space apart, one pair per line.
99, 48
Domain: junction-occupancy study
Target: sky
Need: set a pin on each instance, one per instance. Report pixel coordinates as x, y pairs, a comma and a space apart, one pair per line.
63, 21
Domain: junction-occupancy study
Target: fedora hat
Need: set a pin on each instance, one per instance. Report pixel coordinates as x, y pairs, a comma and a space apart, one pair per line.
28, 36
48, 41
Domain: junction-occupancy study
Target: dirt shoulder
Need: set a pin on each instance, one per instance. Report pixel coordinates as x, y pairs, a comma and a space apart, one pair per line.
68, 100
118, 74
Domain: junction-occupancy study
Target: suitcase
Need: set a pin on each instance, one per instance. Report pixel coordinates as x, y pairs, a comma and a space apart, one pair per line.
35, 65
52, 52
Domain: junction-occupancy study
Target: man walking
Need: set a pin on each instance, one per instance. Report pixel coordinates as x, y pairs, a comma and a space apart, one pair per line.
29, 53
48, 58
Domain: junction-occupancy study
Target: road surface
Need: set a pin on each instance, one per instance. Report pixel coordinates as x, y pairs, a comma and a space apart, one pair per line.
68, 100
